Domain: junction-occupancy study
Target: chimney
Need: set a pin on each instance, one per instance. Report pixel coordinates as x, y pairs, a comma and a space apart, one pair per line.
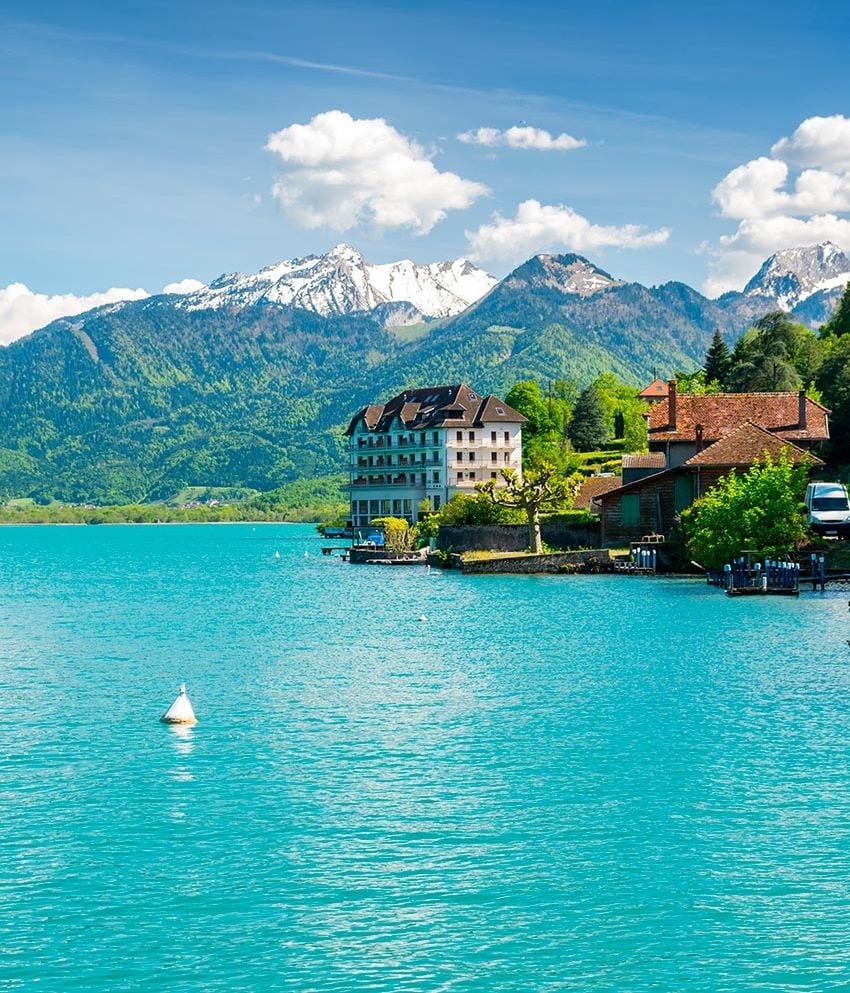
671, 404
801, 408
698, 430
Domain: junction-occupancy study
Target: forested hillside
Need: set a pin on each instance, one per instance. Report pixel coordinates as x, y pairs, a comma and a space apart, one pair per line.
137, 401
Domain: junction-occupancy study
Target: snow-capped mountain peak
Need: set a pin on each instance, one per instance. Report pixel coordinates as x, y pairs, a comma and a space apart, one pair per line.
795, 274
573, 274
343, 282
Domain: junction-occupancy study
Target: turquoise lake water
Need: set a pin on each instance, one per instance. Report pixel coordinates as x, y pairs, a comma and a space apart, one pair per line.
578, 783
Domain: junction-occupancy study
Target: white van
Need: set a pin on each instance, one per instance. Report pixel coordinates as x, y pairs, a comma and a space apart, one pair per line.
828, 509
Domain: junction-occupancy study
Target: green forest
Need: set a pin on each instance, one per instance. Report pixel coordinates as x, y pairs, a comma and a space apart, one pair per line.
148, 404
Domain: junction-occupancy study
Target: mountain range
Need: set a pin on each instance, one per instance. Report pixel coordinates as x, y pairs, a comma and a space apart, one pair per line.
248, 381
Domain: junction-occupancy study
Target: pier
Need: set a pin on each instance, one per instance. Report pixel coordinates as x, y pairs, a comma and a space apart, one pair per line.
774, 577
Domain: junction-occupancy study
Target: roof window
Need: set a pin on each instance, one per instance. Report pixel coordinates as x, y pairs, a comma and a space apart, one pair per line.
500, 410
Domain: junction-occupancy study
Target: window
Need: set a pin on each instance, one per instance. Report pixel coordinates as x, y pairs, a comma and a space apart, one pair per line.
472, 436
460, 456
397, 508
492, 437
493, 457
436, 476
507, 437
389, 441
407, 504
460, 435
500, 410
472, 456
492, 475
472, 475
374, 508
436, 437
507, 457
630, 510
460, 477
385, 506
436, 503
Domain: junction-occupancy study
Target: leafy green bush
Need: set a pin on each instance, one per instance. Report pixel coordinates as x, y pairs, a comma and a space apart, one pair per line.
760, 510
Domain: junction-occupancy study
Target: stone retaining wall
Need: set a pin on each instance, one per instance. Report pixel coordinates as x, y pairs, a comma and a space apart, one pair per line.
530, 564
514, 537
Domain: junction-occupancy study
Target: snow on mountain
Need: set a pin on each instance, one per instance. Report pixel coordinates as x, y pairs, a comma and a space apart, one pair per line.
571, 274
793, 275
342, 282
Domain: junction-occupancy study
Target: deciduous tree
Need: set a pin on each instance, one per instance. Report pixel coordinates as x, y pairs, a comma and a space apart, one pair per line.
541, 489
761, 509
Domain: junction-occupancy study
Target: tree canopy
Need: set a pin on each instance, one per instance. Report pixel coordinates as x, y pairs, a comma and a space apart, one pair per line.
589, 428
717, 361
761, 509
540, 490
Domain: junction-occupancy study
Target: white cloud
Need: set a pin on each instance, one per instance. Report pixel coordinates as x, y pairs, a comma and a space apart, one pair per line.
341, 171
819, 141
539, 228
22, 311
522, 137
183, 286
794, 197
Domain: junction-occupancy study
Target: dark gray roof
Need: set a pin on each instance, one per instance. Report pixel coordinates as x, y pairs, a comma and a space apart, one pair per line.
436, 407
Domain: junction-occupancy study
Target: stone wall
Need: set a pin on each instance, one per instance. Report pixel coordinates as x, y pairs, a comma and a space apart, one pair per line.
514, 537
530, 564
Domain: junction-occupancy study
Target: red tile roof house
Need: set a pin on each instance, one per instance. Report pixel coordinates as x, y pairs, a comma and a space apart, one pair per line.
701, 437
657, 390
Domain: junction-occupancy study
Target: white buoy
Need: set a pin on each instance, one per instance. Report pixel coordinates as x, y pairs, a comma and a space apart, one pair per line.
277, 555
422, 617
306, 555
180, 712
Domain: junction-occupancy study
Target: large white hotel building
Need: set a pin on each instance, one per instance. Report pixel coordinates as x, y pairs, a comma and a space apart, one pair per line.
428, 444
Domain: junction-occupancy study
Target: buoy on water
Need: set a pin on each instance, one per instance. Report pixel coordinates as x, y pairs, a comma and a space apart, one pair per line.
422, 617
180, 712
306, 555
277, 555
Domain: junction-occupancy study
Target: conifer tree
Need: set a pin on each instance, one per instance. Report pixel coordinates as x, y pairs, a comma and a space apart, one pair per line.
588, 429
717, 361
839, 323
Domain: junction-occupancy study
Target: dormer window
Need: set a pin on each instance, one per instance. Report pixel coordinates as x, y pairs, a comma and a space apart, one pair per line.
500, 410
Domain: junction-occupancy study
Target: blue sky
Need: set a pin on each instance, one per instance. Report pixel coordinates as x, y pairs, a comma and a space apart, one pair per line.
133, 135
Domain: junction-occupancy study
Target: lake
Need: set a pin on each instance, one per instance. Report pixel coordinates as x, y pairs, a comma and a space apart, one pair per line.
552, 783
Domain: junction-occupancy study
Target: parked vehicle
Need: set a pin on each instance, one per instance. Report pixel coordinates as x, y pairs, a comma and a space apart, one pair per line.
828, 509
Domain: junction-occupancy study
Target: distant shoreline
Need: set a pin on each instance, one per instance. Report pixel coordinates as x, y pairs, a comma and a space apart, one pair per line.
139, 524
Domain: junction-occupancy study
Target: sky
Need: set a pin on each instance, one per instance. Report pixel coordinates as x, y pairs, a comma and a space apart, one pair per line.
145, 144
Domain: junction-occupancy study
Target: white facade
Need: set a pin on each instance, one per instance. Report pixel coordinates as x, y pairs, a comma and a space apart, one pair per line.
392, 472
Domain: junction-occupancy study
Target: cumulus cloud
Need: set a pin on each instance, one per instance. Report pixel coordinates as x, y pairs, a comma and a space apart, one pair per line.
522, 137
22, 311
795, 196
540, 227
183, 286
340, 171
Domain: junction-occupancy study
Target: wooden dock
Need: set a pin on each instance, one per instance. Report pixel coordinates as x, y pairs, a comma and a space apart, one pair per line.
762, 591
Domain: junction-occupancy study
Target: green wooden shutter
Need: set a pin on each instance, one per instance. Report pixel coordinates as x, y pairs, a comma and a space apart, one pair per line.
630, 509
684, 491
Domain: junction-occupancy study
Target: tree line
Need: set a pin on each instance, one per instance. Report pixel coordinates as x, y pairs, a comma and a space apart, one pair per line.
779, 354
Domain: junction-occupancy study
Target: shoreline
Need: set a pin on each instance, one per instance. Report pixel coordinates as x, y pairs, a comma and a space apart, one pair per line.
138, 524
